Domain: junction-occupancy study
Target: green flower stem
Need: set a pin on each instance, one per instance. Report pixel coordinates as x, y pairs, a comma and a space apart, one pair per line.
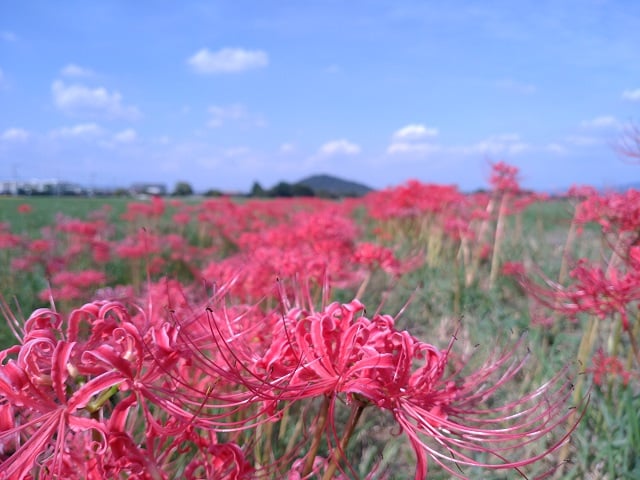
317, 436
354, 417
95, 405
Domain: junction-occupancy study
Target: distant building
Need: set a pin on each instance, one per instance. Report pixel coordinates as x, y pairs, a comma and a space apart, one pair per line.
8, 188
41, 187
148, 189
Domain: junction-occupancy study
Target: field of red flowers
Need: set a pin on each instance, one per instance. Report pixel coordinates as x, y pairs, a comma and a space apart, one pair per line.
417, 332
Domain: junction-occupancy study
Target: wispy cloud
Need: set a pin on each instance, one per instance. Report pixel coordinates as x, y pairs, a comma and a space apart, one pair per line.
631, 95
515, 86
126, 136
8, 36
227, 60
504, 144
287, 148
603, 121
80, 100
220, 115
339, 147
73, 70
415, 131
582, 140
15, 134
81, 130
556, 148
412, 148
411, 140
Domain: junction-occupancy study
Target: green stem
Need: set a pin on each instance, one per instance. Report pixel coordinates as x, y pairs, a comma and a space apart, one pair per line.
105, 395
584, 351
354, 417
497, 241
317, 436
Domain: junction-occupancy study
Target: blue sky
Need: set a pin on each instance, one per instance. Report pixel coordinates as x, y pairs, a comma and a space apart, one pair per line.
222, 94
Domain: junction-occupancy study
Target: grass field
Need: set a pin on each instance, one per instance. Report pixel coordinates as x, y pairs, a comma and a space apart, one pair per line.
492, 270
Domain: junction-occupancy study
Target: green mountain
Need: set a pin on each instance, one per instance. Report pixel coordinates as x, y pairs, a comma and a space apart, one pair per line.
328, 185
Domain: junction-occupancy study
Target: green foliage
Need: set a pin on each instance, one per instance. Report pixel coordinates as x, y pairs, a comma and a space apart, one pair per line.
182, 189
605, 445
284, 189
257, 191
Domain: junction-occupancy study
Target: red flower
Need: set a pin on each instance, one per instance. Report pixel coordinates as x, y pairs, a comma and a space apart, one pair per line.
339, 352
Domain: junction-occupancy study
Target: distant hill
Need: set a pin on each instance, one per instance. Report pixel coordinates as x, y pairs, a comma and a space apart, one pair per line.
333, 186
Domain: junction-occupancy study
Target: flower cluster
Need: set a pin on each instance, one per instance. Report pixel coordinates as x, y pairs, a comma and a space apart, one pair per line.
113, 391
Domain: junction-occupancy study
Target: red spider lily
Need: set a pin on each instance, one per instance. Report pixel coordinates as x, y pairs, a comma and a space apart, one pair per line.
153, 209
35, 383
25, 208
8, 239
615, 212
61, 381
338, 351
595, 291
412, 200
310, 248
504, 178
140, 245
372, 256
67, 285
605, 367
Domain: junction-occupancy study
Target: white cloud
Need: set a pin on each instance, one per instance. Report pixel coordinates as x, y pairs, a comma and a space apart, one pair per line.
631, 95
410, 140
73, 70
340, 147
287, 148
412, 148
1, 76
516, 87
504, 144
15, 134
236, 113
415, 131
582, 140
82, 130
227, 60
8, 36
603, 121
556, 148
125, 136
81, 100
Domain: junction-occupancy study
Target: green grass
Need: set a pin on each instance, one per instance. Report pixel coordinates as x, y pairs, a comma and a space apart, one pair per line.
45, 210
608, 439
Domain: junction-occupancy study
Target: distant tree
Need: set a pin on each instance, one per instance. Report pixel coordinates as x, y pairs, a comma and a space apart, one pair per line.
282, 189
257, 190
327, 194
212, 192
182, 189
300, 190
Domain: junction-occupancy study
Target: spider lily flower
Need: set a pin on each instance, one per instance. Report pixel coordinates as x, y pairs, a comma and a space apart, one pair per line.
340, 352
59, 382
